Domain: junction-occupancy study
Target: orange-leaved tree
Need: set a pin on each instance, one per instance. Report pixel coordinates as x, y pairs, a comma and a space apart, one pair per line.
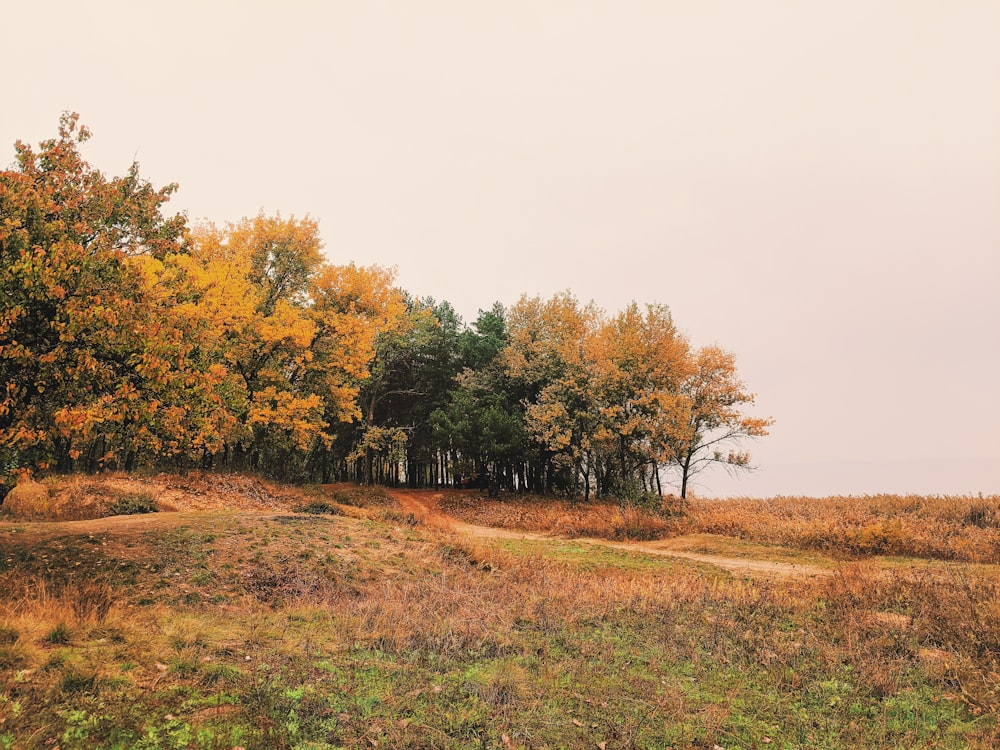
640, 362
75, 324
549, 356
713, 427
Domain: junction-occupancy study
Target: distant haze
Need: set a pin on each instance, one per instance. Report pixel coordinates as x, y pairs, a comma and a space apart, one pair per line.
815, 186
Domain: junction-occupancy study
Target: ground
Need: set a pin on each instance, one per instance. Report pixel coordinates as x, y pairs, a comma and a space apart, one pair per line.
759, 561
260, 616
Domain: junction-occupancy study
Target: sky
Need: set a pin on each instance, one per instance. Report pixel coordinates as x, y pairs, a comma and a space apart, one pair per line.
813, 186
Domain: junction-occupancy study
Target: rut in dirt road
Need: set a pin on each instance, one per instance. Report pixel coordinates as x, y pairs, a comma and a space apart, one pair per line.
423, 505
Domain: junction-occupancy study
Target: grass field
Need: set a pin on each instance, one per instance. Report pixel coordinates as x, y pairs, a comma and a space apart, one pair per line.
353, 626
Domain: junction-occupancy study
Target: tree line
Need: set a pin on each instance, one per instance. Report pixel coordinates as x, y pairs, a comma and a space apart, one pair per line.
130, 339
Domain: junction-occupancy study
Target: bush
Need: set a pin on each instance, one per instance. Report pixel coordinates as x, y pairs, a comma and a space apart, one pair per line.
29, 499
131, 505
320, 507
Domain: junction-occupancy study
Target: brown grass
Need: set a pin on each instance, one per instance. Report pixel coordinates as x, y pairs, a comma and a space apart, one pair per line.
943, 527
940, 527
600, 519
257, 608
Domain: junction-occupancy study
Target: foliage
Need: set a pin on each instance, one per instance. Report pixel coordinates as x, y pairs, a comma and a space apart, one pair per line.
615, 400
128, 339
78, 336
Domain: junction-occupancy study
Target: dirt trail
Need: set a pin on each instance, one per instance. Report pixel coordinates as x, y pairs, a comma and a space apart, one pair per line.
423, 505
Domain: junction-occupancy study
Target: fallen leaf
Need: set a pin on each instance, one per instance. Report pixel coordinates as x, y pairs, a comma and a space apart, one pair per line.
577, 723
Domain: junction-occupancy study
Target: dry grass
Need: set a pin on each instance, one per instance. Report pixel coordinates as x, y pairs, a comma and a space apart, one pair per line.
80, 496
68, 499
338, 631
602, 520
942, 527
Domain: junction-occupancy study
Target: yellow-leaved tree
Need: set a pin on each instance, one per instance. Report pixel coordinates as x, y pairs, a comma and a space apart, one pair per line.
289, 336
640, 362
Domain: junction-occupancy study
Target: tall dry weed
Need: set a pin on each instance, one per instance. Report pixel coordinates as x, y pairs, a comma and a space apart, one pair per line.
602, 520
944, 621
943, 527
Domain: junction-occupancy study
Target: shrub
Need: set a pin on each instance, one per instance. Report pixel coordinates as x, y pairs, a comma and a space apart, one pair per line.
29, 499
320, 507
131, 505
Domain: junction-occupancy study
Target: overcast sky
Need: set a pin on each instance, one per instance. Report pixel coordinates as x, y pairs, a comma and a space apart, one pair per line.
812, 185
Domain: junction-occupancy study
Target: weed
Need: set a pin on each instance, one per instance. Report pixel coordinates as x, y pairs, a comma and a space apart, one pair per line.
76, 682
91, 601
501, 684
13, 657
982, 516
59, 635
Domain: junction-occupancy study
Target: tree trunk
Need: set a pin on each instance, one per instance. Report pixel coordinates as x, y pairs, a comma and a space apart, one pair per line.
685, 469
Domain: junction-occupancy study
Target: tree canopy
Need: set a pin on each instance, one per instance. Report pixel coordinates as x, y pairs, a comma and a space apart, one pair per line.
129, 338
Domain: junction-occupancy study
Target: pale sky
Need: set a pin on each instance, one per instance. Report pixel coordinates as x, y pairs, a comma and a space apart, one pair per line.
812, 185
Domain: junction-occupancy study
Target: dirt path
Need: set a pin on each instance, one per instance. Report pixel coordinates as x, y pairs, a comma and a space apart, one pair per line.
424, 506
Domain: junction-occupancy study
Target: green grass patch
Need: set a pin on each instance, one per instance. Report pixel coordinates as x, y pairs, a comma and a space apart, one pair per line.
584, 556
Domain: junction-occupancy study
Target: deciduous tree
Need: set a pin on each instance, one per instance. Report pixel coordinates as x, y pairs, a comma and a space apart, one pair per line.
713, 427
78, 339
548, 353
640, 362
